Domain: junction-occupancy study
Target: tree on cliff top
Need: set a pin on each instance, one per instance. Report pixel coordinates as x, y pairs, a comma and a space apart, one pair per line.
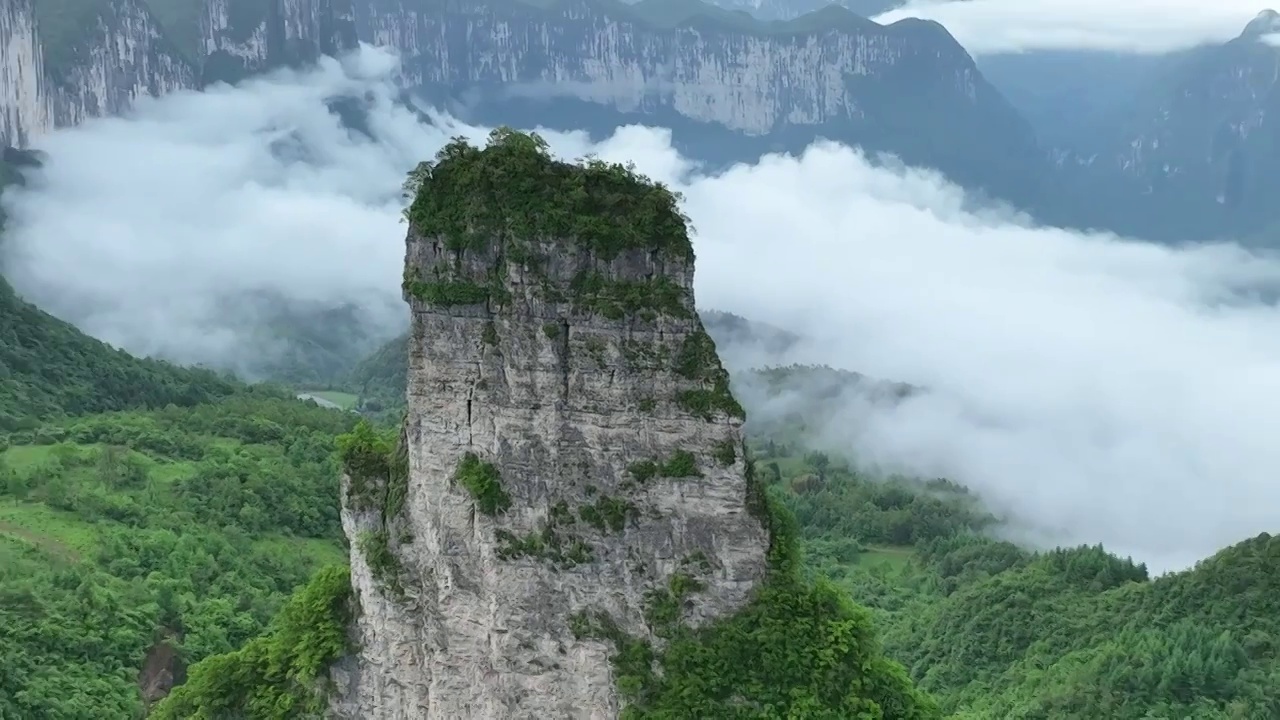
514, 189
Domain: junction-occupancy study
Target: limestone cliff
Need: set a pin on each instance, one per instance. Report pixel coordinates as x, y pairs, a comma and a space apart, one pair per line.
239, 37
709, 69
59, 66
57, 69
572, 457
728, 86
24, 100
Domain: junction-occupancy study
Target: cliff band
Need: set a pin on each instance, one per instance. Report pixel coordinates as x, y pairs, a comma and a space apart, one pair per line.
571, 466
61, 66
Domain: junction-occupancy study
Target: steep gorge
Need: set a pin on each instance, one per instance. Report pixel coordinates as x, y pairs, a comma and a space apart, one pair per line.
730, 88
570, 505
61, 64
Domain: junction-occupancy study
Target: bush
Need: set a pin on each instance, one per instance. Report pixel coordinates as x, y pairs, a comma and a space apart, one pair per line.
481, 479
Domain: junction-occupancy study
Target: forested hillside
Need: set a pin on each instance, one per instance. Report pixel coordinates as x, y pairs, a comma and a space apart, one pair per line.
162, 525
52, 368
996, 631
150, 515
137, 543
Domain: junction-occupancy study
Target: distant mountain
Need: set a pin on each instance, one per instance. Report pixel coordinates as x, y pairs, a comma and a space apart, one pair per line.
1213, 144
789, 9
730, 87
1077, 100
1180, 147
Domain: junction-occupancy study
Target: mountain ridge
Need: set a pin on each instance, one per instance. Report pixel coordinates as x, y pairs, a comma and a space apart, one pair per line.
747, 87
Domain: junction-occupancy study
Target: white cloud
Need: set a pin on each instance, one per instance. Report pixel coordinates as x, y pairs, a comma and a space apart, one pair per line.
1100, 390
145, 224
999, 26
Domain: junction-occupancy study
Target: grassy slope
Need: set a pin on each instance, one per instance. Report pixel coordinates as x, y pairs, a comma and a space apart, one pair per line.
71, 536
190, 522
344, 400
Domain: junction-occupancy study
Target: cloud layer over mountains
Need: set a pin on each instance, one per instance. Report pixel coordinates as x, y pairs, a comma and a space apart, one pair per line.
1099, 390
1148, 26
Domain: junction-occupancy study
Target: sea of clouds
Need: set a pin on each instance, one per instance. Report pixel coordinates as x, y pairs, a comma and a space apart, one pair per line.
1092, 388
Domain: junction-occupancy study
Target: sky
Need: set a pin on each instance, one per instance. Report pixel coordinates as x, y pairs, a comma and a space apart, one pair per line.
1090, 388
1149, 26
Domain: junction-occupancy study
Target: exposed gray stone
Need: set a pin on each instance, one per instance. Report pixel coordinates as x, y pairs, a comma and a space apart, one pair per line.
479, 636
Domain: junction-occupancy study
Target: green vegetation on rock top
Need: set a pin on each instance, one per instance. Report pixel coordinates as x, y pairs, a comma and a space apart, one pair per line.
513, 191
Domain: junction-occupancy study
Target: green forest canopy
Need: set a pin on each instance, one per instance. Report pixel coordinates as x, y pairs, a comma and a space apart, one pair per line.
160, 520
987, 628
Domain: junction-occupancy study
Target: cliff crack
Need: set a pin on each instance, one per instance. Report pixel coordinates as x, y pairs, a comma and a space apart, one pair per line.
471, 393
564, 360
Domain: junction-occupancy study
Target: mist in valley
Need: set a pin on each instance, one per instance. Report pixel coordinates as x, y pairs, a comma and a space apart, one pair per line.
1089, 388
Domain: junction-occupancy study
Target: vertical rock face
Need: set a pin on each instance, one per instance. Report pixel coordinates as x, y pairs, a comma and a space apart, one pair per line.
57, 69
24, 102
748, 79
122, 55
573, 453
730, 88
240, 37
